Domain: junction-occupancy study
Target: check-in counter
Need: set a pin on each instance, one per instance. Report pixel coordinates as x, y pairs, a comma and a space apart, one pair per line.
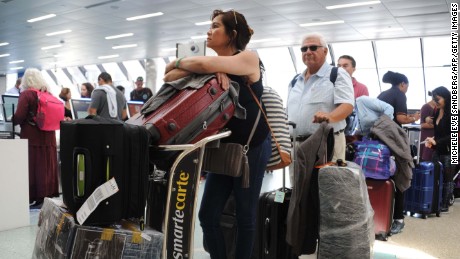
14, 184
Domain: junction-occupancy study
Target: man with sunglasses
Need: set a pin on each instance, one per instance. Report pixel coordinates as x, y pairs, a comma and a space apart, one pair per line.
314, 98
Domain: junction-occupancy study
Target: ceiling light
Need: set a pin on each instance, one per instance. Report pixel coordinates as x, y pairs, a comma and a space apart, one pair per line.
16, 68
383, 30
199, 37
264, 40
168, 49
351, 5
109, 56
203, 23
58, 32
119, 36
16, 61
4, 55
321, 23
124, 46
3, 43
57, 55
41, 18
144, 16
52, 47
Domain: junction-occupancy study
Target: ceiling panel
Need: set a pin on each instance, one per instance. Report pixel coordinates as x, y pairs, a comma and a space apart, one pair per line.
269, 19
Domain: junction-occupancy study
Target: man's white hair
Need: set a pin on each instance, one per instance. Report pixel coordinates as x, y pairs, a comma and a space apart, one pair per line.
33, 78
315, 35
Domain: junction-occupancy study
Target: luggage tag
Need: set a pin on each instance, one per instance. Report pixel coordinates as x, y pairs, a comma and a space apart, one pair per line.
101, 193
279, 196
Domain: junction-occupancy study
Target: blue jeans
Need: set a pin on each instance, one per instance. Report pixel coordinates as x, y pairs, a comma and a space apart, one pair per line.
216, 192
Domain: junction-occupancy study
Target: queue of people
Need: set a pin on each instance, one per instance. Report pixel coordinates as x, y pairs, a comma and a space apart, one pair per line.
312, 99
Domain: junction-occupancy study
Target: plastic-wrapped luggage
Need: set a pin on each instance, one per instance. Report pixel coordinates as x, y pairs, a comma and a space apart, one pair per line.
346, 227
59, 237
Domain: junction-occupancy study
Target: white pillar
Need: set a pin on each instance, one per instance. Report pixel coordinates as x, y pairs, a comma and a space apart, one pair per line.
2, 83
151, 73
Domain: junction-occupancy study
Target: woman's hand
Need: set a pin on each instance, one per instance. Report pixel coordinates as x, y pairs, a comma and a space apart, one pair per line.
175, 74
223, 80
430, 142
429, 120
170, 66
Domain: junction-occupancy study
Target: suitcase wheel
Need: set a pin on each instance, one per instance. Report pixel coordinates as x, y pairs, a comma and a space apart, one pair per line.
424, 216
381, 237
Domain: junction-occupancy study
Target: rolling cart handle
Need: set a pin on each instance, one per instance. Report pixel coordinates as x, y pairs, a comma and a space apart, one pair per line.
293, 125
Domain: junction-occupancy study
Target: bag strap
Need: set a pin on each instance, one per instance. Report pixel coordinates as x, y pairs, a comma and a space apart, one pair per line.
332, 77
246, 147
265, 116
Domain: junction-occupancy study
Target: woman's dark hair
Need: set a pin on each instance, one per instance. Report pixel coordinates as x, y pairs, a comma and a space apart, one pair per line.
394, 78
89, 88
233, 20
444, 93
64, 92
105, 77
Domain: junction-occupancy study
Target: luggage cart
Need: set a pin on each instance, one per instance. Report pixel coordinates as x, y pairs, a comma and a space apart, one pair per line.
182, 196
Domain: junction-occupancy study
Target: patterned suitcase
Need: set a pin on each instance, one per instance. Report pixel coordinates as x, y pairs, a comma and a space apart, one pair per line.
381, 195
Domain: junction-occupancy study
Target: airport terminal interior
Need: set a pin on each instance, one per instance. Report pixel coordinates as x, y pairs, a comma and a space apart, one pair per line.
73, 42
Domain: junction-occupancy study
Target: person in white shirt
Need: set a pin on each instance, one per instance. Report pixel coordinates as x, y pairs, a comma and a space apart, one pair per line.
15, 90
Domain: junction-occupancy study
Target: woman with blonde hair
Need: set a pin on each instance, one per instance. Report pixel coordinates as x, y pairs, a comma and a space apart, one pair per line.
43, 170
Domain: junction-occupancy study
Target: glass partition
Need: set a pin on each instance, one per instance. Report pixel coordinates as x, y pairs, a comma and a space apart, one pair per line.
279, 69
437, 53
92, 72
403, 56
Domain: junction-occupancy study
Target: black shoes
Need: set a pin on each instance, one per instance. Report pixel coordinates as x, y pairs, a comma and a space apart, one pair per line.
397, 227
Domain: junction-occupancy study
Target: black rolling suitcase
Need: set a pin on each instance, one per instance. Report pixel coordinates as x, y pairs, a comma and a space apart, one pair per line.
270, 241
271, 225
94, 151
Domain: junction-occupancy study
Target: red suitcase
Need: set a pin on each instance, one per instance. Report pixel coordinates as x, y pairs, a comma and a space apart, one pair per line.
381, 196
189, 115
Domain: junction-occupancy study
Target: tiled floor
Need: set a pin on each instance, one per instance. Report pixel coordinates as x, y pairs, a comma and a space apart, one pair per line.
422, 238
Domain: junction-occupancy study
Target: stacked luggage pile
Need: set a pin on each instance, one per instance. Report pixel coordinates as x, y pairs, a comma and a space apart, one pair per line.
378, 166
109, 171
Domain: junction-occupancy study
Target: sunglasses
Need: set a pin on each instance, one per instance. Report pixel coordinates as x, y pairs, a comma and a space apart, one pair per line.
312, 48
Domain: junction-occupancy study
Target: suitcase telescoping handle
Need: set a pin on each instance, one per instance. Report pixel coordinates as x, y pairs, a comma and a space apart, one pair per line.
81, 172
293, 125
